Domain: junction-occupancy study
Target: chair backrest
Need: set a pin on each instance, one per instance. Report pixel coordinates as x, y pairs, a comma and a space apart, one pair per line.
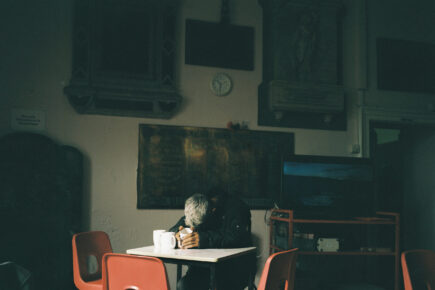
279, 271
128, 272
86, 246
418, 269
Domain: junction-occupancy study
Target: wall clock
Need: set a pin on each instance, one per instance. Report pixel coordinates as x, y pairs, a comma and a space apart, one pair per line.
221, 84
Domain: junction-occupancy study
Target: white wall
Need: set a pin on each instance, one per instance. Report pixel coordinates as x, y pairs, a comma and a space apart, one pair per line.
36, 63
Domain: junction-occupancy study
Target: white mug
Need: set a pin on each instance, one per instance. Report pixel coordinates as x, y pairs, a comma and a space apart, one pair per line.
167, 240
184, 232
156, 237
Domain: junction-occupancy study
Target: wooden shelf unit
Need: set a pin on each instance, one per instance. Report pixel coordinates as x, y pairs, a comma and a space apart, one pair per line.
381, 218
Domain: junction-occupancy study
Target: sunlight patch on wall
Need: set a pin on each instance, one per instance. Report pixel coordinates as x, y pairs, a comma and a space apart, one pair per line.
387, 135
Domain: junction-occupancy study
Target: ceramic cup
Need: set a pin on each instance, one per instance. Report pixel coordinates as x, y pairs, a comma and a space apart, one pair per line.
156, 238
167, 241
184, 232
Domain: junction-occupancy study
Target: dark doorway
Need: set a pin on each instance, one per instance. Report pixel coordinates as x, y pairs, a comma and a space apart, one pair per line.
404, 162
386, 144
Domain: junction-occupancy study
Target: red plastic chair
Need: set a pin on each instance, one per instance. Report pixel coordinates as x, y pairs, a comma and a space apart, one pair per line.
86, 245
418, 269
128, 272
279, 270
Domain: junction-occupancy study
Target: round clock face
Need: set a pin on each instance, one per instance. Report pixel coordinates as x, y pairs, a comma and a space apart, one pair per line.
221, 84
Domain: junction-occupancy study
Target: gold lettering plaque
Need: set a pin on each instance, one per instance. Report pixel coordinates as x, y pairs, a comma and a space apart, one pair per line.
176, 162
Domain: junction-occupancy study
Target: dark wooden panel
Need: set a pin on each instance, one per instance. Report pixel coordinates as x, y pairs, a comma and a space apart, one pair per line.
219, 45
40, 206
406, 65
176, 162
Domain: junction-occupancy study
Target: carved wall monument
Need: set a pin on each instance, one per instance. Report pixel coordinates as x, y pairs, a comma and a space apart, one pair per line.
124, 58
302, 65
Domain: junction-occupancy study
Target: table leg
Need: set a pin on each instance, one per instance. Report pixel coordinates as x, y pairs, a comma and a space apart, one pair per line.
251, 281
179, 268
213, 276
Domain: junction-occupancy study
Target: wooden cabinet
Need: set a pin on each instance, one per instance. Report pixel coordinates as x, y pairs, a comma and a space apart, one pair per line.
365, 248
41, 188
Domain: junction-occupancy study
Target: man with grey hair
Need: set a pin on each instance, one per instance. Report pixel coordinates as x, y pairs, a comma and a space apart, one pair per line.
196, 209
219, 220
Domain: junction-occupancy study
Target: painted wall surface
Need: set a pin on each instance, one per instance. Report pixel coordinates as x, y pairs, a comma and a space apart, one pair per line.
36, 64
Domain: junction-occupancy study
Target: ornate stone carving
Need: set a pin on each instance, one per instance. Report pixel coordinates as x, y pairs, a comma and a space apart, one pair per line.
301, 60
124, 58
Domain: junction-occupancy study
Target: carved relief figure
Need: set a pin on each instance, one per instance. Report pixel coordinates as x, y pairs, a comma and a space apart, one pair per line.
305, 45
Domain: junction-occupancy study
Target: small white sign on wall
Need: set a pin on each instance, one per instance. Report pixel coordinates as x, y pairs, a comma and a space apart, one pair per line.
29, 120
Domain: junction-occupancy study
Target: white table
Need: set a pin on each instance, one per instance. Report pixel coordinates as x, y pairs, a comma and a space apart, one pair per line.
199, 257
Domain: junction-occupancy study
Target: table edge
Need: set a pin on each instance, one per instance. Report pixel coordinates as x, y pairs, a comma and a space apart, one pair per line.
188, 258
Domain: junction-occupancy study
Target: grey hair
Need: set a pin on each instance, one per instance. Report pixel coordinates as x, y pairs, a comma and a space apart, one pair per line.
196, 209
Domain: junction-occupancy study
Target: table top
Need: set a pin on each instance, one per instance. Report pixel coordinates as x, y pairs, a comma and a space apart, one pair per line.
200, 255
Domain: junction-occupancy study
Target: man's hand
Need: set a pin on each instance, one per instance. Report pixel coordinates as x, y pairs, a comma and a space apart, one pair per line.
190, 241
177, 235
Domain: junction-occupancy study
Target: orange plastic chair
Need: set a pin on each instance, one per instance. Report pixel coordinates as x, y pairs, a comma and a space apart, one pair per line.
418, 269
85, 246
279, 270
128, 272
